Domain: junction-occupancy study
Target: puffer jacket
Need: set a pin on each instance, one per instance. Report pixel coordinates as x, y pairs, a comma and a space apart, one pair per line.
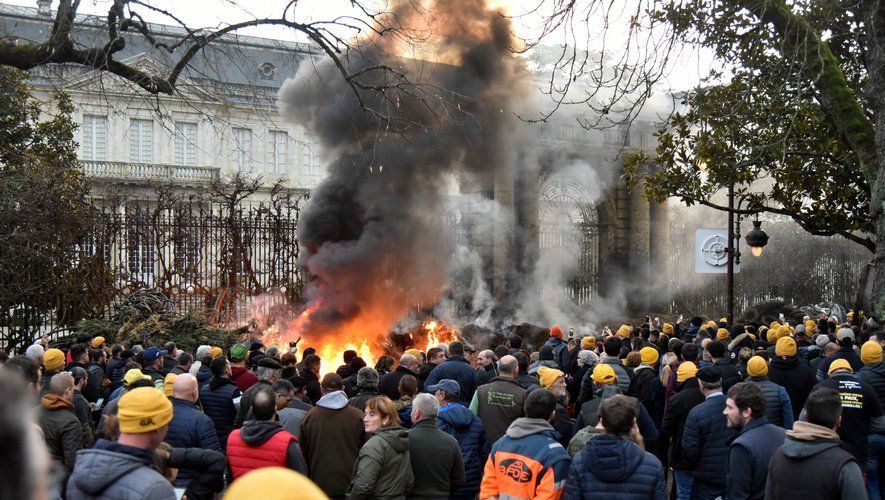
383, 467
796, 377
467, 429
778, 407
705, 441
217, 398
688, 395
612, 467
459, 370
874, 375
61, 430
190, 428
111, 471
730, 374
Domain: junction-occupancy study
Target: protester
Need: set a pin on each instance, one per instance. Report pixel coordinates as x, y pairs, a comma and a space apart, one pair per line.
646, 387
332, 434
209, 467
560, 348
152, 360
612, 350
82, 408
501, 401
485, 367
845, 338
705, 437
612, 465
435, 456
202, 366
812, 465
454, 419
435, 356
554, 381
218, 397
185, 362
268, 373
778, 407
61, 428
688, 395
525, 380
53, 362
189, 428
545, 358
311, 375
389, 383
458, 369
794, 375
366, 386
240, 375
293, 413
530, 445
751, 449
383, 468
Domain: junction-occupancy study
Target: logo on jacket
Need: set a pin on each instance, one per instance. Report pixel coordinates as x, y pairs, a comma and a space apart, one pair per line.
515, 469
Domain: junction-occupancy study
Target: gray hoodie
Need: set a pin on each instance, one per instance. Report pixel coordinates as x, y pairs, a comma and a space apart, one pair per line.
333, 401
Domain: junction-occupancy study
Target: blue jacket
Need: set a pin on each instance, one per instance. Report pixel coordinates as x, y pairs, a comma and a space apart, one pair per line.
217, 398
459, 370
778, 407
705, 441
612, 467
190, 428
560, 352
748, 458
467, 428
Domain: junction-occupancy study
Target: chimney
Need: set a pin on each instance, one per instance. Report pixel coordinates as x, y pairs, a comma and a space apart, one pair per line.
44, 7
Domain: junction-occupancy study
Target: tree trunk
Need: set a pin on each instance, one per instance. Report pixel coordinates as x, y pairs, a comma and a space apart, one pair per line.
876, 93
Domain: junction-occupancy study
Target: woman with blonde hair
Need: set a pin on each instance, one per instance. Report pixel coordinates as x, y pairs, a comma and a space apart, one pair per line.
383, 468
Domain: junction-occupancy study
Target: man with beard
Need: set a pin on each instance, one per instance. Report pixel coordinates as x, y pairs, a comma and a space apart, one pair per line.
554, 381
749, 451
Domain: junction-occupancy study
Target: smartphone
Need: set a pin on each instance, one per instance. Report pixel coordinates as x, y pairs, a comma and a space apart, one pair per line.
571, 333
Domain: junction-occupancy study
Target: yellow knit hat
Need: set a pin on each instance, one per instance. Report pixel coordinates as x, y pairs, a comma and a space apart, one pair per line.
668, 328
772, 335
757, 367
215, 352
712, 324
414, 352
686, 371
774, 325
167, 384
839, 364
624, 331
274, 483
871, 352
722, 334
548, 376
604, 374
809, 327
785, 346
588, 342
53, 359
649, 355
97, 342
143, 409
784, 331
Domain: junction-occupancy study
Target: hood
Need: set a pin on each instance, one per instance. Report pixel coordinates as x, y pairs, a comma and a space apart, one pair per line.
784, 364
333, 401
805, 431
878, 369
806, 440
53, 402
456, 416
642, 366
396, 437
537, 364
256, 432
553, 341
614, 459
99, 468
524, 426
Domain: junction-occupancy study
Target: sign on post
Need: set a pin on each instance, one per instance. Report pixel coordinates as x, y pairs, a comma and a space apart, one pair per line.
711, 251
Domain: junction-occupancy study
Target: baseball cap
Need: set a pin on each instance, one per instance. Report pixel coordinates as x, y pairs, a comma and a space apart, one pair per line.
133, 375
604, 373
448, 386
844, 333
143, 409
238, 352
151, 354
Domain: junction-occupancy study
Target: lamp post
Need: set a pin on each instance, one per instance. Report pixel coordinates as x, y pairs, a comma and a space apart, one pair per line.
756, 239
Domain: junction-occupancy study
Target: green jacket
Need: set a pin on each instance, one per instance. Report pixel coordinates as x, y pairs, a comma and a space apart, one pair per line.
436, 460
383, 468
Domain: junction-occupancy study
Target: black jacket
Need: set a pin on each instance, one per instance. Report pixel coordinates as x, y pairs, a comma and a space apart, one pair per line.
209, 467
730, 374
648, 389
688, 395
705, 441
874, 375
217, 398
246, 402
436, 461
796, 376
389, 384
363, 396
312, 385
749, 454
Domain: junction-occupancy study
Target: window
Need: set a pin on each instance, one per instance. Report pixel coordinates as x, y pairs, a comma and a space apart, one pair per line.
141, 141
279, 147
309, 157
186, 143
243, 149
95, 138
140, 251
187, 252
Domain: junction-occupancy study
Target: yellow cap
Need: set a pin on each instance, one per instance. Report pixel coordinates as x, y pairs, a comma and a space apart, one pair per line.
757, 367
809, 327
722, 334
604, 374
723, 320
624, 331
839, 364
215, 352
686, 371
785, 346
274, 483
167, 384
548, 376
133, 375
53, 359
871, 352
784, 331
414, 352
712, 324
97, 342
772, 335
649, 355
774, 325
143, 409
668, 328
588, 342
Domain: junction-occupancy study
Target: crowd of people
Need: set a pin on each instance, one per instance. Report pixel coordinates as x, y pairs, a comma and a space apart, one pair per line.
701, 410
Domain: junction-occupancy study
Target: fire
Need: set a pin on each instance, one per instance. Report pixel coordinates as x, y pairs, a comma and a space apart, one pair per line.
435, 333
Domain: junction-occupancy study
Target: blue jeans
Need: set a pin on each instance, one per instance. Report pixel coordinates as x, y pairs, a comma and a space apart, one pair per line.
876, 466
682, 479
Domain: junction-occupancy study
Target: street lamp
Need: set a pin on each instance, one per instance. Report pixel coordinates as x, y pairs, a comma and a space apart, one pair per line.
757, 238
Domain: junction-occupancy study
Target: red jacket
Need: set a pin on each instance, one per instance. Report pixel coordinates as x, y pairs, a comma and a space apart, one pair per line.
244, 458
242, 377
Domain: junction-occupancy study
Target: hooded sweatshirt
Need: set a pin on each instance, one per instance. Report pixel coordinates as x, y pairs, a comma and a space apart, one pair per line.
468, 430
111, 470
331, 436
61, 430
383, 468
610, 465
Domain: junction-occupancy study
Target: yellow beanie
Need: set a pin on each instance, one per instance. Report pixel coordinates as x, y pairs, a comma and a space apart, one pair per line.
588, 342
167, 384
871, 352
215, 352
274, 483
722, 334
649, 355
604, 374
414, 352
809, 327
712, 324
757, 367
686, 371
97, 342
548, 376
785, 346
771, 335
53, 359
774, 325
143, 409
839, 364
624, 331
784, 331
668, 328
